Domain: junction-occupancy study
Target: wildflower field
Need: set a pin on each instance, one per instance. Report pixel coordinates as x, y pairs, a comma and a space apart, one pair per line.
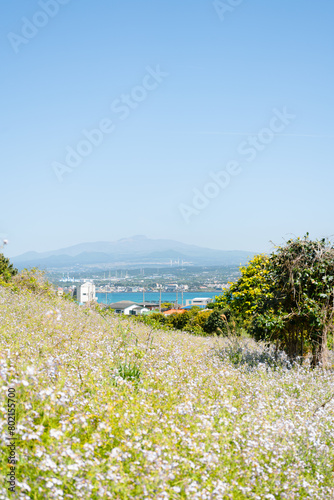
109, 408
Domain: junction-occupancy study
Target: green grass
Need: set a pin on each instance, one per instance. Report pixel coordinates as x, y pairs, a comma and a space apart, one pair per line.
106, 408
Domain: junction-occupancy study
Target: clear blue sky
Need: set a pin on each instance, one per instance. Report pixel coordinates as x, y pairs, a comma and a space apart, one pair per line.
227, 73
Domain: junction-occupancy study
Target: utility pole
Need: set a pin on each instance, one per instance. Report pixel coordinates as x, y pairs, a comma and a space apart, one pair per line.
160, 302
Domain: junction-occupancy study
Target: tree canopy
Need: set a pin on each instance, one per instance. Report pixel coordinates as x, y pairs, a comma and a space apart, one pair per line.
288, 297
6, 269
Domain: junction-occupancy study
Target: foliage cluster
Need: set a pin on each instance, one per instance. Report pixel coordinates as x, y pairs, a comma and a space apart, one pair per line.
288, 297
7, 270
195, 320
33, 281
29, 281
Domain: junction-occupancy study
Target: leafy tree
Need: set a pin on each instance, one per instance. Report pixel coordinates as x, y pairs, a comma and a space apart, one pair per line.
179, 320
156, 316
7, 271
288, 297
302, 274
166, 305
201, 318
245, 296
216, 323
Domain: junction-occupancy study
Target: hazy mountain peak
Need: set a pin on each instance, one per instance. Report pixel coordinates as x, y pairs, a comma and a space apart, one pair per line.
136, 237
136, 250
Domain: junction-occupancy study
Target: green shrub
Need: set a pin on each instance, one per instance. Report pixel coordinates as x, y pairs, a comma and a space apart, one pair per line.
216, 323
201, 318
7, 271
179, 320
157, 321
194, 329
33, 281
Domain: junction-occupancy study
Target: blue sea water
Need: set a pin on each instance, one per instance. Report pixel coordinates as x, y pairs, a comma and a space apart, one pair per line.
110, 297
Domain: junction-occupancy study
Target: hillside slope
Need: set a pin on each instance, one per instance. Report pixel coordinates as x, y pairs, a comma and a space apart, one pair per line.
107, 408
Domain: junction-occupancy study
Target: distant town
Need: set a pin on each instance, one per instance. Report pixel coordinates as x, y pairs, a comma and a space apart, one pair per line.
182, 282
193, 279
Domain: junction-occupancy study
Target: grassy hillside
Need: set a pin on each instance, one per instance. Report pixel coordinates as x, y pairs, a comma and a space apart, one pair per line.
108, 408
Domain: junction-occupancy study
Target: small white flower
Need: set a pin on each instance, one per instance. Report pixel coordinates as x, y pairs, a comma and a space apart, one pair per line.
115, 452
24, 486
56, 434
151, 456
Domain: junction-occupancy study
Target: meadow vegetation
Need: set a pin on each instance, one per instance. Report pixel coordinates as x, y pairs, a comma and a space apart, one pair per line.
113, 408
286, 298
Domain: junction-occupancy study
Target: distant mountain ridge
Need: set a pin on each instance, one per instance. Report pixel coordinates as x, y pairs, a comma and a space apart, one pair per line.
129, 252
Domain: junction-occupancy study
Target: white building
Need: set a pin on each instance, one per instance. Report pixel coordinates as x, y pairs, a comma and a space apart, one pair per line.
127, 307
86, 292
171, 287
199, 301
